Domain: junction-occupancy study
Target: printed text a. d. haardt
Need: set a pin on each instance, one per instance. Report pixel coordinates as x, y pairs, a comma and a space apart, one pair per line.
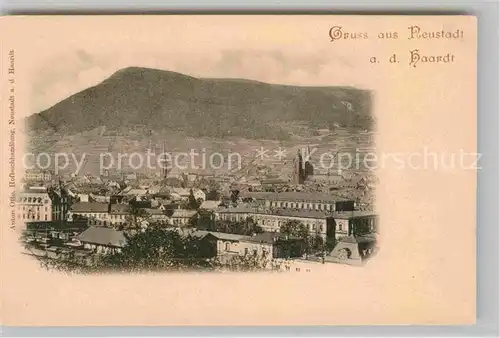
417, 57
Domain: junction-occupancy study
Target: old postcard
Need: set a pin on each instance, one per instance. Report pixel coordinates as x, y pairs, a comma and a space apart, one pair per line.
238, 170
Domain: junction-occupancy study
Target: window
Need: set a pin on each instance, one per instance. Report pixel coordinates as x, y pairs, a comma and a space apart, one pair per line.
228, 246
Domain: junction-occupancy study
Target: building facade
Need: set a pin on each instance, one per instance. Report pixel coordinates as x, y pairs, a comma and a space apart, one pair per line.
317, 223
34, 204
302, 201
103, 214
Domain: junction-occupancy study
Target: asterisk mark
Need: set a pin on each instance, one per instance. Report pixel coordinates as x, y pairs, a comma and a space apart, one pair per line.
262, 153
280, 153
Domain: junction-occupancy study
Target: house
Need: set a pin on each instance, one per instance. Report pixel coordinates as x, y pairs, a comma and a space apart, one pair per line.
98, 198
103, 214
163, 192
273, 182
156, 216
140, 204
181, 193
61, 202
57, 229
84, 197
353, 250
135, 192
176, 197
317, 223
208, 242
154, 189
182, 217
272, 245
103, 240
329, 179
34, 204
224, 243
308, 201
119, 214
96, 213
199, 194
350, 223
237, 214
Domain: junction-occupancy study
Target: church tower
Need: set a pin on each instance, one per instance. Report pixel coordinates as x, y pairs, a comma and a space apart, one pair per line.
308, 167
164, 163
298, 169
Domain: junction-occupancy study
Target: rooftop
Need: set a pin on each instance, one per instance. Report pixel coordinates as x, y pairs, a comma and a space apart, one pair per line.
353, 214
89, 207
152, 211
219, 235
120, 209
294, 196
267, 237
299, 213
278, 212
210, 204
237, 210
183, 213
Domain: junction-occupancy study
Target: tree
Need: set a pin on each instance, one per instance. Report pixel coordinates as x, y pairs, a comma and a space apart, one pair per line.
192, 203
234, 196
203, 220
159, 249
295, 228
249, 262
250, 227
136, 216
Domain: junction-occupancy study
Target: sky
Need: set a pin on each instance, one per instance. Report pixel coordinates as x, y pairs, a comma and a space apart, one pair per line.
72, 55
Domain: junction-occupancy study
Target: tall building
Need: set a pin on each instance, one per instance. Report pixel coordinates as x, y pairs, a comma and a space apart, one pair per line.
308, 167
164, 170
302, 169
61, 202
298, 169
34, 204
